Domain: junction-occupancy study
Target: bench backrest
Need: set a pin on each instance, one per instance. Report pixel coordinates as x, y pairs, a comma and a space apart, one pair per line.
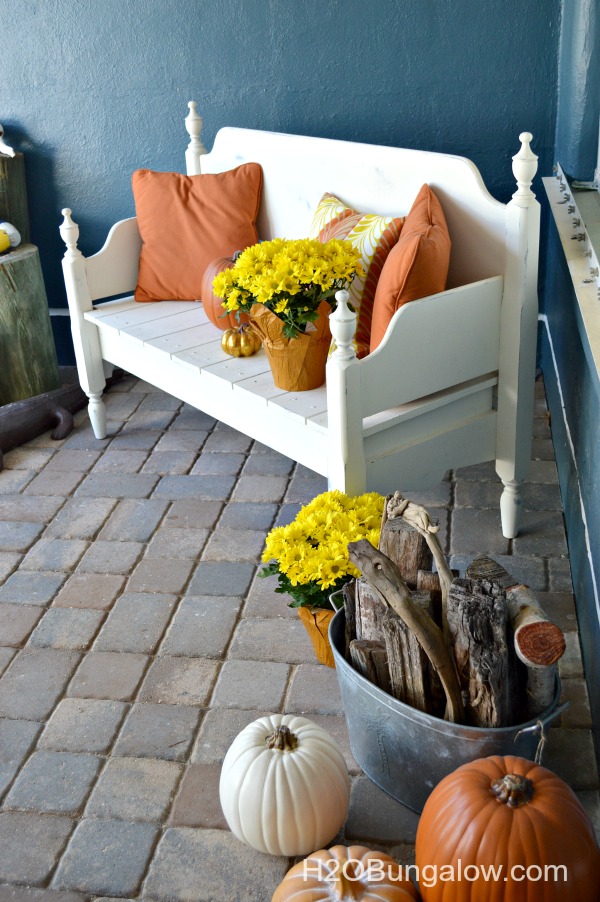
373, 179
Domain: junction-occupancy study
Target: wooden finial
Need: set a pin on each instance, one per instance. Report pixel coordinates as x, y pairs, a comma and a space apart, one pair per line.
524, 168
69, 232
343, 326
193, 124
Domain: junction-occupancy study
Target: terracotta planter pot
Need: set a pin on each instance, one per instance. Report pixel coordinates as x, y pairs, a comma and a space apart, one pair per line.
316, 622
297, 364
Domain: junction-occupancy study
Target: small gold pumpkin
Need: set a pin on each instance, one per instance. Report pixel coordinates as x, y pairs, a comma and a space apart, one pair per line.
241, 342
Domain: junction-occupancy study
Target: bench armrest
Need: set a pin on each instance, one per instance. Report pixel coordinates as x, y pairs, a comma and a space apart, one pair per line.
114, 269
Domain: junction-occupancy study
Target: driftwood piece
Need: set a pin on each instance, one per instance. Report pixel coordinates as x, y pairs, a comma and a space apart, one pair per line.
477, 621
538, 641
428, 581
413, 680
484, 567
410, 553
370, 611
406, 547
416, 515
370, 659
380, 628
386, 578
539, 644
349, 596
540, 690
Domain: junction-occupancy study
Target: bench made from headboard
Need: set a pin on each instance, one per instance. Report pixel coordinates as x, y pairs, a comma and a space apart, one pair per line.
451, 384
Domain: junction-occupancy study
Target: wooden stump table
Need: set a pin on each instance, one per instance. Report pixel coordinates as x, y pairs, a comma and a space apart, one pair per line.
28, 364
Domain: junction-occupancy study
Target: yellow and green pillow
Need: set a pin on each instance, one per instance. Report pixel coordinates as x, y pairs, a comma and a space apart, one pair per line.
374, 236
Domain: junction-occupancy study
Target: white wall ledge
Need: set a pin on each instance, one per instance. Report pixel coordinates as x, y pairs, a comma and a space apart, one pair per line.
581, 246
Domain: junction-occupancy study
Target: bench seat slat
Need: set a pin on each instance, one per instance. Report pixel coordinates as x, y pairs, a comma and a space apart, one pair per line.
238, 369
107, 308
185, 339
130, 317
261, 385
167, 325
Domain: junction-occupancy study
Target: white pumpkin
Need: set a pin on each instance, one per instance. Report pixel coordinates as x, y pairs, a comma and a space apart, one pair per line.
13, 235
284, 786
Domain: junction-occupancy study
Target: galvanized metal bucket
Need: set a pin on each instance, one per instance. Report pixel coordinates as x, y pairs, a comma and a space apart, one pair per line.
407, 752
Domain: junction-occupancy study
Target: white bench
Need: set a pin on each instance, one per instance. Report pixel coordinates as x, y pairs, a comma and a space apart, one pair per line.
450, 385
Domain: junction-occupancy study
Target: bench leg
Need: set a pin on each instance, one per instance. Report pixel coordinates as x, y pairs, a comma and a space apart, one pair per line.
86, 341
97, 413
511, 506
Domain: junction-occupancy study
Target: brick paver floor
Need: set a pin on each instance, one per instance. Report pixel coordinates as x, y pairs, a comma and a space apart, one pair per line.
136, 641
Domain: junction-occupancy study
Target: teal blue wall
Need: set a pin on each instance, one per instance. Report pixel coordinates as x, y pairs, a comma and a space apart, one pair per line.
93, 90
573, 392
579, 94
566, 361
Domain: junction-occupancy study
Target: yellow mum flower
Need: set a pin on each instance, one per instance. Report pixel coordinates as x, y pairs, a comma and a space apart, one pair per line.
310, 555
301, 273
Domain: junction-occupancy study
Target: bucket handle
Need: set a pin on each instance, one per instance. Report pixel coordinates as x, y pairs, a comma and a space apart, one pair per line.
336, 599
539, 727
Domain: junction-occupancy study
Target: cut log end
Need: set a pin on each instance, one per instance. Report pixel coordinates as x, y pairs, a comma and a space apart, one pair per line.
541, 643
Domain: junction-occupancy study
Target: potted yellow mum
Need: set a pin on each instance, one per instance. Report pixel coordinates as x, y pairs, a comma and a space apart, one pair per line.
310, 556
288, 287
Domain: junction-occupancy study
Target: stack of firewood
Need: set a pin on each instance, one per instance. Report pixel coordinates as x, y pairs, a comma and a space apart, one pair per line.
477, 651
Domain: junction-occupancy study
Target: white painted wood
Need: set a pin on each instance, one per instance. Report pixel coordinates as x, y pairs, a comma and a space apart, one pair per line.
518, 339
386, 419
162, 326
274, 426
114, 269
419, 466
85, 335
127, 319
428, 341
373, 179
304, 404
107, 308
200, 356
343, 326
345, 404
97, 412
425, 439
261, 385
196, 149
581, 255
239, 369
176, 342
424, 401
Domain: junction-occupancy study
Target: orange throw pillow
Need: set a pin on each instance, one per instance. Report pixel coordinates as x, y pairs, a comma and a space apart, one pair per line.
417, 266
374, 236
186, 221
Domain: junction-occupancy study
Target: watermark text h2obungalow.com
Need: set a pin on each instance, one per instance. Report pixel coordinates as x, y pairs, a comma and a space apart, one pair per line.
430, 875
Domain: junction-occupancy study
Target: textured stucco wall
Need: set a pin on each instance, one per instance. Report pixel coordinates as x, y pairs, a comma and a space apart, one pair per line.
572, 381
579, 89
91, 91
567, 365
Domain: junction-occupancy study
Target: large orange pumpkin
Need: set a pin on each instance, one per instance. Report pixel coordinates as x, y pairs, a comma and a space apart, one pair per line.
212, 304
516, 816
345, 873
